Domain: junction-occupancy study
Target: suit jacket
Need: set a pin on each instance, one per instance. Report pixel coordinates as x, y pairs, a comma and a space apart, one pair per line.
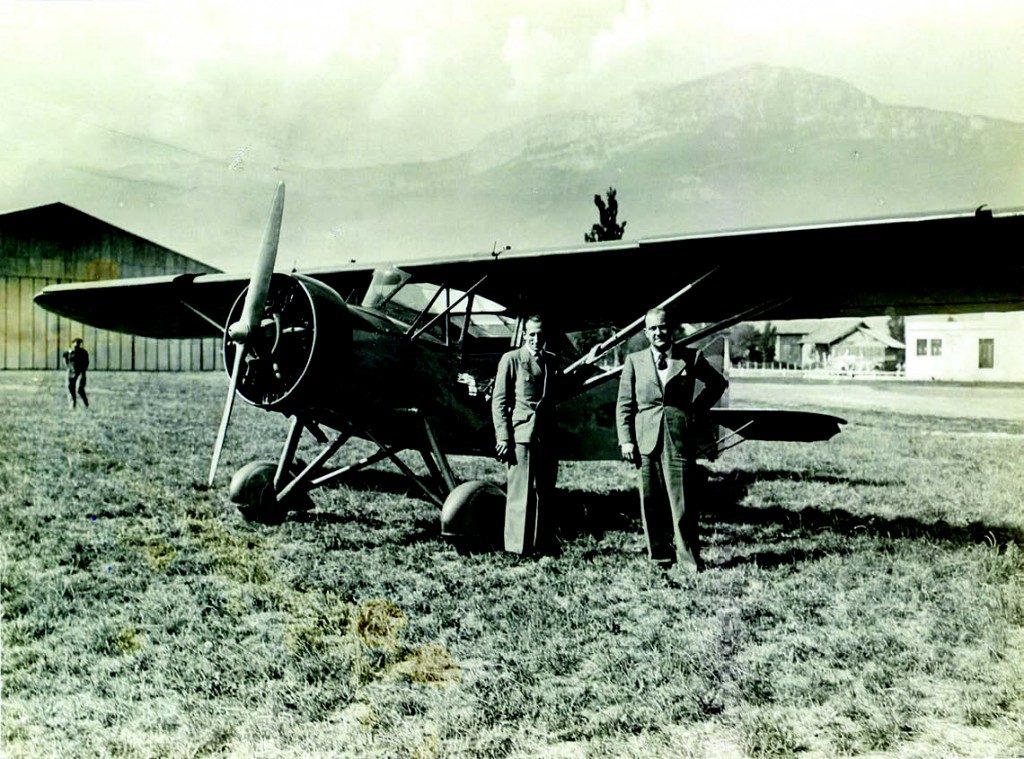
77, 360
644, 405
523, 403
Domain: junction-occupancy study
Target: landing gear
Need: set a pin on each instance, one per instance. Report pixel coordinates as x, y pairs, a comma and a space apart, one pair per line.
252, 488
266, 491
473, 516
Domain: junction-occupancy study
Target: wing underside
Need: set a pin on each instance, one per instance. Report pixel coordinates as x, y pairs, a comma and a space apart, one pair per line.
182, 306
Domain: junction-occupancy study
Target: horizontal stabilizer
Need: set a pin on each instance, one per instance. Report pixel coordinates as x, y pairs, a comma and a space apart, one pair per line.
775, 424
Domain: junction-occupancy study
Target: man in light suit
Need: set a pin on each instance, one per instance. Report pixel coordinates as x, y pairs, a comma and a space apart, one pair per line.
664, 395
523, 410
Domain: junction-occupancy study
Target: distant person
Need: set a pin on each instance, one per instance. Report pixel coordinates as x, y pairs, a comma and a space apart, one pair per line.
664, 393
76, 359
523, 410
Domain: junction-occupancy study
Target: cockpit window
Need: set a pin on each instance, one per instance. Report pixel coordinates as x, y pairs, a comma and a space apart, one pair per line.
391, 291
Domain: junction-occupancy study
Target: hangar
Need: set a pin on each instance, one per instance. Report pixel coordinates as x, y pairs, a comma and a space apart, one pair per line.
56, 243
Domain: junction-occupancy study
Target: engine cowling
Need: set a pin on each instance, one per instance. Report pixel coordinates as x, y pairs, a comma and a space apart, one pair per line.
298, 351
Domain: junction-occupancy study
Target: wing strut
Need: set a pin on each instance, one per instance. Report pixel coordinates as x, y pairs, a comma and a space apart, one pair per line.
602, 348
700, 334
716, 448
201, 315
448, 309
717, 327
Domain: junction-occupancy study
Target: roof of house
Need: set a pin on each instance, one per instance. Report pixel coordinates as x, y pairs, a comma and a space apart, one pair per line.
808, 326
883, 337
829, 331
829, 334
795, 326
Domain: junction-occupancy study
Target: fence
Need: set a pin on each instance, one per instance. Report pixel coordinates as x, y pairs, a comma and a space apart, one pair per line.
767, 370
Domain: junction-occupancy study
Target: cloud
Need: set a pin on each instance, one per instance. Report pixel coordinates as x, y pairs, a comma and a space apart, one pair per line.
310, 83
944, 54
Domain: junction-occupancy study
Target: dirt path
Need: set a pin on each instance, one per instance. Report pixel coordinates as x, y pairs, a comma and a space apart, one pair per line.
947, 400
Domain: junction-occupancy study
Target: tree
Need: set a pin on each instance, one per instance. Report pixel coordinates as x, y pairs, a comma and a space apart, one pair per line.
766, 342
609, 228
743, 339
897, 327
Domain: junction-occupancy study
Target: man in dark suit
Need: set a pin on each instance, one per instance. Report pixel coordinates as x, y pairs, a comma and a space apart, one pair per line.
664, 394
523, 410
76, 359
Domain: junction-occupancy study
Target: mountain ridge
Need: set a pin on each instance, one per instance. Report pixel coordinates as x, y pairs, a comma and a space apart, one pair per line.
754, 146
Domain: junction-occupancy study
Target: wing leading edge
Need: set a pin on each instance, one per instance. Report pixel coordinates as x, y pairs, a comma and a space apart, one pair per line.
859, 268
181, 306
916, 265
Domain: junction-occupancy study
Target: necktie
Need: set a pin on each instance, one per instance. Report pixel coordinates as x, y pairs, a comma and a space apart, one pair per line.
662, 362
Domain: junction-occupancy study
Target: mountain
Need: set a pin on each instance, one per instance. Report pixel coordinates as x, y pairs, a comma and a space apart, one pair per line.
758, 146
755, 146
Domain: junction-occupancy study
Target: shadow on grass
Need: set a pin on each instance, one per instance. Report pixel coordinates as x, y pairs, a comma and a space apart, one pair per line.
368, 483
728, 492
742, 480
364, 521
742, 526
587, 513
374, 526
378, 481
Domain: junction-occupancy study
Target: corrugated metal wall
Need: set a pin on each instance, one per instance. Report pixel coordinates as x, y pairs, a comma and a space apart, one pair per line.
57, 243
31, 338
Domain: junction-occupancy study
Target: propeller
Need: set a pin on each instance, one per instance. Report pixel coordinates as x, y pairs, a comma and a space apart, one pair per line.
252, 313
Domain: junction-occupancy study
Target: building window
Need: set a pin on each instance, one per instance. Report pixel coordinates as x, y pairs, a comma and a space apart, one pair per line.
936, 347
986, 353
922, 347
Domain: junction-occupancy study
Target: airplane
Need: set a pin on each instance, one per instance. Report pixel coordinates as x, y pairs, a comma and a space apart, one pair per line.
404, 355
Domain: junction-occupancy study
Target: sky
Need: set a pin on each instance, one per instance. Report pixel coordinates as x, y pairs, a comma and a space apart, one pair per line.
314, 84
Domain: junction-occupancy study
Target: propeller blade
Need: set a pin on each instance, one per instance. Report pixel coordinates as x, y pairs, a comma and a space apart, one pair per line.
252, 312
259, 284
228, 405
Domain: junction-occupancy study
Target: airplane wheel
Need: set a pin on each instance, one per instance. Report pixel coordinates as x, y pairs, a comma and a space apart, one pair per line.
473, 516
251, 489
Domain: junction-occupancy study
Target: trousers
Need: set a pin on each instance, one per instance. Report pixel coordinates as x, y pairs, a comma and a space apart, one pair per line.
670, 488
77, 380
529, 519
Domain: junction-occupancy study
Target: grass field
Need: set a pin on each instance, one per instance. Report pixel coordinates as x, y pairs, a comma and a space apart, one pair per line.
864, 597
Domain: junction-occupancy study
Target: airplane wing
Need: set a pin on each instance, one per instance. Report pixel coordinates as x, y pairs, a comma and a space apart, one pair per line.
173, 306
924, 264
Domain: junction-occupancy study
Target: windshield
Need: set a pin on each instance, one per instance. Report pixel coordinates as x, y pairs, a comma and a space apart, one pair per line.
393, 293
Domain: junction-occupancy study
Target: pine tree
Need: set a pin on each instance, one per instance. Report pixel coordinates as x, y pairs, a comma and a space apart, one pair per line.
609, 228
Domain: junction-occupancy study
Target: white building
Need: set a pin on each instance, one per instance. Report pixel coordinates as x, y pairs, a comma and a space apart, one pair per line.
966, 347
